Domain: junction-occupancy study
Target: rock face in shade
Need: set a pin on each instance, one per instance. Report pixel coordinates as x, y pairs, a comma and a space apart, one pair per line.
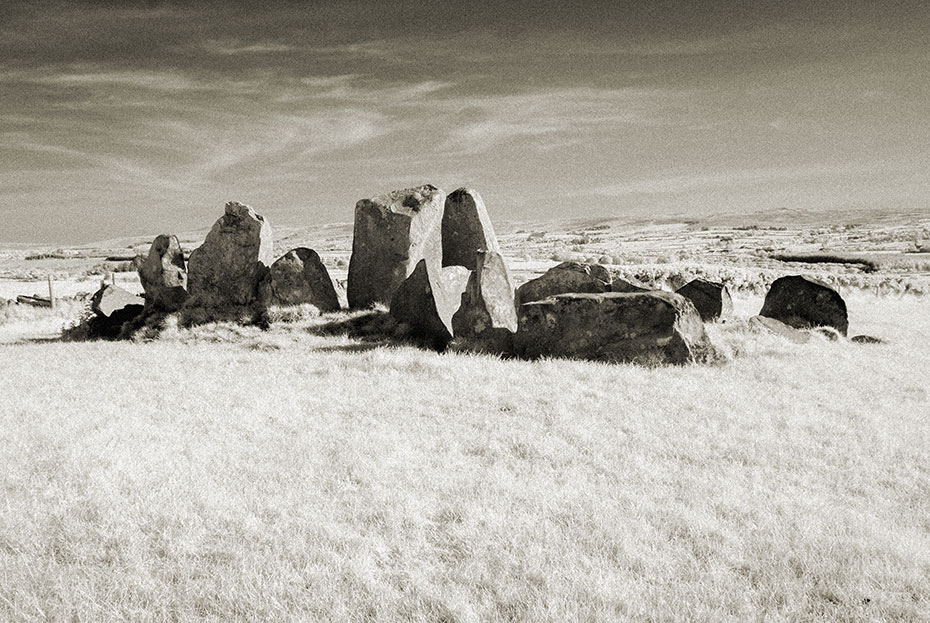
564, 278
712, 299
234, 259
113, 306
487, 317
427, 300
803, 303
393, 232
644, 327
163, 275
466, 229
779, 328
300, 277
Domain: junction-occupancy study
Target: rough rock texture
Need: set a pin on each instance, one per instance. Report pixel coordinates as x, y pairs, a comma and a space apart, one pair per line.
228, 268
802, 302
112, 307
564, 278
487, 317
712, 299
300, 277
618, 284
779, 328
646, 327
163, 275
427, 300
393, 232
867, 339
466, 229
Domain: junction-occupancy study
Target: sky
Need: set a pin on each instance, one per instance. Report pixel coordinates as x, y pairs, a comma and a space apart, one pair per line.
122, 118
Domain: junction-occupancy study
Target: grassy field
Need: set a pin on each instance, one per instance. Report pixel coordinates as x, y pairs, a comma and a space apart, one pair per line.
229, 474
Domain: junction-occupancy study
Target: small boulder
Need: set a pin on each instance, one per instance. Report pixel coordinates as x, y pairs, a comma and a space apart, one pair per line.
466, 229
867, 339
487, 317
163, 275
113, 307
300, 277
779, 328
392, 233
427, 300
645, 327
226, 272
712, 299
564, 278
804, 303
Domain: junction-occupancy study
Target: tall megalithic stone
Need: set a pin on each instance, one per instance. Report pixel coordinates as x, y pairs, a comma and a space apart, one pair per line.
427, 300
393, 232
487, 317
163, 275
226, 272
466, 229
643, 327
299, 277
803, 303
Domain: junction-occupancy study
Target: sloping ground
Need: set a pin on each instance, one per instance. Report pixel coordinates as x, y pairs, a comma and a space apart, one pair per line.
231, 474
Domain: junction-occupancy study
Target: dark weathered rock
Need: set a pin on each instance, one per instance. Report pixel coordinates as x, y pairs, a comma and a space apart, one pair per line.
227, 270
163, 275
564, 278
646, 327
427, 300
618, 284
712, 299
300, 277
392, 233
867, 339
487, 317
779, 328
803, 303
112, 307
466, 229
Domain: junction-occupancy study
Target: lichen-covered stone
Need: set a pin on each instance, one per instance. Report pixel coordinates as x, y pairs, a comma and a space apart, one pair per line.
803, 303
466, 229
487, 317
712, 299
427, 300
299, 277
163, 275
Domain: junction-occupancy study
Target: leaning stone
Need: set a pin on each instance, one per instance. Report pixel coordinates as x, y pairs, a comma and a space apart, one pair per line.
804, 303
392, 233
564, 278
779, 328
299, 277
466, 229
487, 317
646, 327
163, 275
427, 300
711, 298
225, 273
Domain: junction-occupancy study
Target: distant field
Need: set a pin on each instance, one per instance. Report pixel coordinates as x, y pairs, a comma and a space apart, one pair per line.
226, 474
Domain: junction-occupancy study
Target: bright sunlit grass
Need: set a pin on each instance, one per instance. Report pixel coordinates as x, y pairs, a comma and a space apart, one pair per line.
226, 473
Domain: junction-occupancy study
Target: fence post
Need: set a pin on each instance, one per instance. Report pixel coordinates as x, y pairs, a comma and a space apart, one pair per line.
51, 291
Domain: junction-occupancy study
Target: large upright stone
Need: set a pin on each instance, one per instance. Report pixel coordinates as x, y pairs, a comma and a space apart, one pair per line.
646, 327
228, 268
803, 303
393, 232
466, 229
163, 275
427, 300
711, 298
300, 277
564, 278
487, 317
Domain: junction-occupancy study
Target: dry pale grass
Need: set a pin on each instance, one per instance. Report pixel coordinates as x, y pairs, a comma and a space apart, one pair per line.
228, 474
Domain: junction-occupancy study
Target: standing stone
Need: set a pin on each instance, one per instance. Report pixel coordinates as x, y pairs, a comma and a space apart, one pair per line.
803, 303
427, 300
228, 268
163, 275
564, 278
487, 317
644, 327
393, 232
712, 299
300, 277
466, 229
